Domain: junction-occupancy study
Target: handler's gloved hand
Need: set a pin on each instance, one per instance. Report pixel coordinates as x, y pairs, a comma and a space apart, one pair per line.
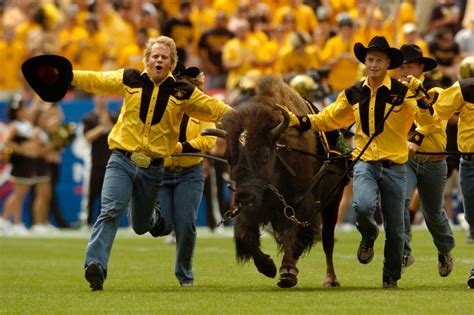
416, 87
302, 122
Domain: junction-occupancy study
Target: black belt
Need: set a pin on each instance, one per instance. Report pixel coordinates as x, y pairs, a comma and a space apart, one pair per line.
384, 163
178, 169
467, 157
129, 154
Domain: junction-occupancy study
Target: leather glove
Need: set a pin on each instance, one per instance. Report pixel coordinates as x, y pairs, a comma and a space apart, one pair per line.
302, 122
416, 87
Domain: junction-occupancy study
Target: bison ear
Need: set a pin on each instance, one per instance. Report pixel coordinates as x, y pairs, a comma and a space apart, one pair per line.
220, 133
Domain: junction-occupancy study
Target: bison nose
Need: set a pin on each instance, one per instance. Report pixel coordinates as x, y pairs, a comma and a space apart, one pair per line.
244, 197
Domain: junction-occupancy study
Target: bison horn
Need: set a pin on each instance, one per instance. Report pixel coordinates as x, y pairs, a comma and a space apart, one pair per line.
214, 132
281, 127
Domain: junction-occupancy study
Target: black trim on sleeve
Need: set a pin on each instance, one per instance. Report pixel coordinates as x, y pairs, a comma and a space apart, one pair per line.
416, 138
467, 89
188, 148
305, 123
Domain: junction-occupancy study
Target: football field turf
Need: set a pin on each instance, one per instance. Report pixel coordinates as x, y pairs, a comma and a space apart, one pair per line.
45, 275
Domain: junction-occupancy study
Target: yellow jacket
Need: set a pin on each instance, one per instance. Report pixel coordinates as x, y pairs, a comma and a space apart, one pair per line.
366, 108
459, 98
151, 113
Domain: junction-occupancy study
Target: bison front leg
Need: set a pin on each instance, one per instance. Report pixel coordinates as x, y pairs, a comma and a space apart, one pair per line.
247, 243
288, 270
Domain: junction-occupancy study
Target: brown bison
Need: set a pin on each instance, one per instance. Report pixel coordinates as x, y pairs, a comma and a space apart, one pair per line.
274, 185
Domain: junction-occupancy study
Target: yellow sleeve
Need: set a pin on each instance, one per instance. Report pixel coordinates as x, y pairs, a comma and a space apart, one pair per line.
204, 107
449, 101
338, 115
204, 143
99, 82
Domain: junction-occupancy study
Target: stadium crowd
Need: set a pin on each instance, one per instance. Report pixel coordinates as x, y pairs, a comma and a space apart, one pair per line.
233, 43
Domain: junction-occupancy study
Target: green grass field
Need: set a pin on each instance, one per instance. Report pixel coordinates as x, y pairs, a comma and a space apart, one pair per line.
45, 275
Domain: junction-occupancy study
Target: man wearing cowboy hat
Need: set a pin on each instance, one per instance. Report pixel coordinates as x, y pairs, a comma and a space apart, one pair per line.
383, 117
427, 173
459, 98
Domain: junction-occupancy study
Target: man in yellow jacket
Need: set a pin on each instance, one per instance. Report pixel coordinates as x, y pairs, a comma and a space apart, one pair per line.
383, 117
146, 132
460, 98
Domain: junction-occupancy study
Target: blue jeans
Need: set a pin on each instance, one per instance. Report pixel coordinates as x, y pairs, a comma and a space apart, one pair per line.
124, 182
180, 197
370, 181
466, 175
430, 179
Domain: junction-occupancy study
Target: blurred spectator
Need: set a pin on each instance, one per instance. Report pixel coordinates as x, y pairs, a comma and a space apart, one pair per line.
180, 28
411, 35
72, 34
150, 20
93, 49
211, 45
465, 39
26, 144
118, 27
445, 14
238, 55
305, 17
50, 118
97, 126
131, 56
298, 58
12, 53
447, 53
338, 56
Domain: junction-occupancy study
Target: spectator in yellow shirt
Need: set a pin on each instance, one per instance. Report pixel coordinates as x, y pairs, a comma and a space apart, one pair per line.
238, 55
12, 53
337, 55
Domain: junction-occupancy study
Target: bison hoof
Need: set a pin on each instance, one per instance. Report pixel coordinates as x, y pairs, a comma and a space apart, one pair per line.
331, 283
266, 266
288, 277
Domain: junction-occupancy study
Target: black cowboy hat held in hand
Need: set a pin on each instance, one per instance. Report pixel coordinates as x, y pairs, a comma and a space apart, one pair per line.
379, 43
413, 54
50, 76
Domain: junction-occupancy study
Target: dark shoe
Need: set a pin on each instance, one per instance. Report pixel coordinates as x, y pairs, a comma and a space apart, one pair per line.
445, 264
408, 260
365, 253
389, 283
470, 281
157, 229
95, 275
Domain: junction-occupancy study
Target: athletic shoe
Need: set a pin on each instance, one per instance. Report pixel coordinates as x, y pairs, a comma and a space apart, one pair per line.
365, 253
445, 264
408, 260
389, 283
95, 275
157, 229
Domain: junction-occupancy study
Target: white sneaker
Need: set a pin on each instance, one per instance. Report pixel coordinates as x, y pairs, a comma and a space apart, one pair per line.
5, 225
462, 221
18, 230
170, 239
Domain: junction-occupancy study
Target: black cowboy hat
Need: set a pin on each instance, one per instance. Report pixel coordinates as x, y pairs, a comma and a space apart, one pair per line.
413, 54
48, 75
379, 43
181, 69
